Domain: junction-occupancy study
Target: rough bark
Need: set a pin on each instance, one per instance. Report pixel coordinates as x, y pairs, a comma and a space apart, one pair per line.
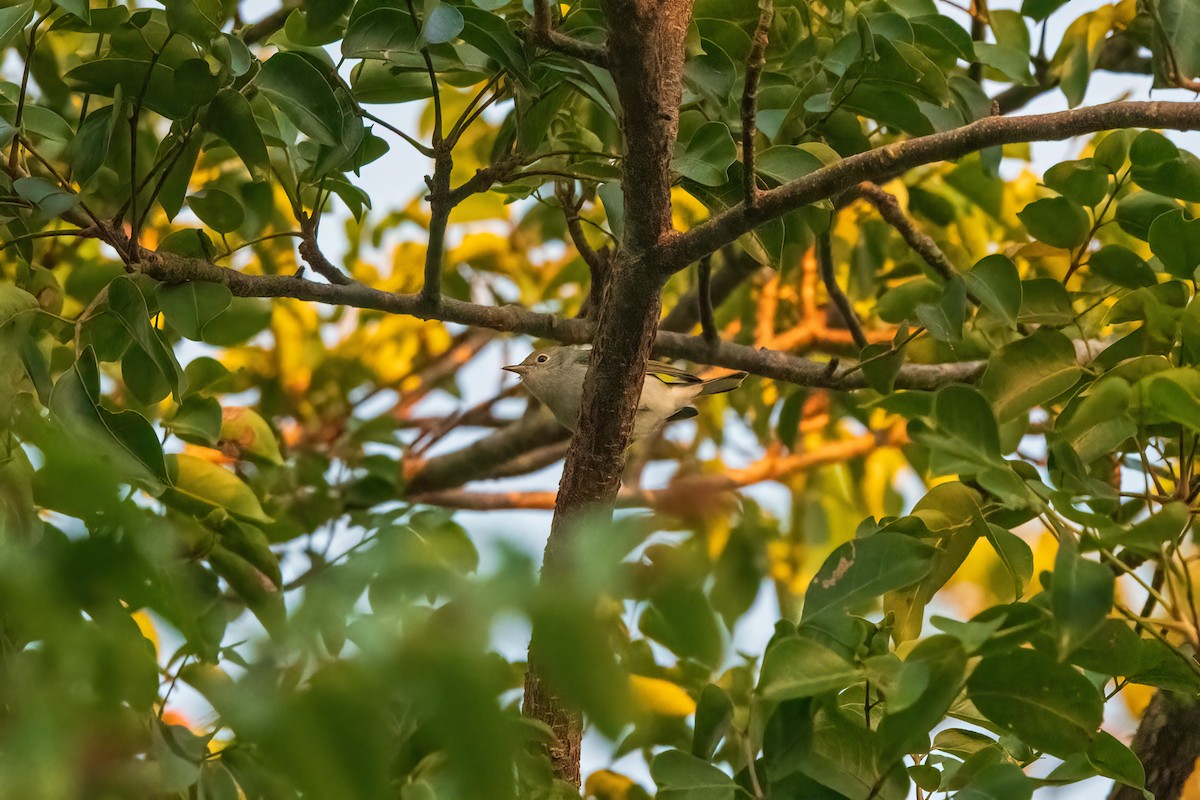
645, 55
1168, 744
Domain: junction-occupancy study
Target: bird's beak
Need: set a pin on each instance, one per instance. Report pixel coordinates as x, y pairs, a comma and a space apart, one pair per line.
519, 369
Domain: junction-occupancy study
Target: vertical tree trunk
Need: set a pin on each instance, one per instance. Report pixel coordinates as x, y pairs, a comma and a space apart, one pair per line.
645, 54
1168, 744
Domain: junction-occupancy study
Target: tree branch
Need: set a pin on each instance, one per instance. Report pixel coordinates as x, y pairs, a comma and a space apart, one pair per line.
321, 265
170, 268
836, 295
477, 460
708, 326
685, 493
737, 267
922, 244
269, 25
893, 159
755, 62
542, 34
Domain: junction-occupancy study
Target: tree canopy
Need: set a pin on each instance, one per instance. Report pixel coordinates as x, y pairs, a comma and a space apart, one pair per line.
236, 461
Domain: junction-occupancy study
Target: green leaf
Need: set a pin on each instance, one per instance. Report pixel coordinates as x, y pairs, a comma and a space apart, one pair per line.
971, 437
1112, 759
1163, 527
1113, 150
714, 716
1099, 422
1029, 372
945, 318
863, 569
251, 586
1048, 705
200, 487
1016, 555
1082, 181
142, 377
198, 20
179, 177
126, 302
681, 776
784, 163
230, 117
105, 76
1121, 266
1173, 396
1137, 211
443, 23
14, 303
1180, 28
1003, 781
1176, 242
48, 196
217, 209
90, 147
940, 664
245, 317
1057, 221
297, 88
190, 306
708, 155
842, 756
1081, 597
1011, 62
881, 366
13, 20
197, 420
124, 440
796, 666
995, 281
1040, 9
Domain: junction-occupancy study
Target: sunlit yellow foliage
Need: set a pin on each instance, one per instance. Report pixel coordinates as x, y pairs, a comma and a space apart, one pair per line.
297, 343
661, 697
146, 626
686, 211
605, 784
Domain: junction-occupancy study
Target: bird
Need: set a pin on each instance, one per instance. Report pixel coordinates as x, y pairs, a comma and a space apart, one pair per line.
555, 377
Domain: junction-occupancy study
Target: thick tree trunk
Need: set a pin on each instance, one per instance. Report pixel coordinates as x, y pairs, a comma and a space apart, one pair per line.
645, 55
1168, 743
592, 473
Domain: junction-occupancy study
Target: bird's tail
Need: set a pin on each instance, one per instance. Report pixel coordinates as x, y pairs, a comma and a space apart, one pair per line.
725, 383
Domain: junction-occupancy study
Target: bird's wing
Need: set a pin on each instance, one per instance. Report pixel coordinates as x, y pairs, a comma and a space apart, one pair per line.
669, 374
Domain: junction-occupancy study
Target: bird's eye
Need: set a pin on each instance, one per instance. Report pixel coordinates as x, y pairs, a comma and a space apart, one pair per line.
543, 358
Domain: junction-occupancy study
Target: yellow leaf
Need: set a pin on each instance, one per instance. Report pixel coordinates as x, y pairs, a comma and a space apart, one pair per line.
661, 697
249, 435
605, 784
201, 488
1191, 789
686, 211
146, 626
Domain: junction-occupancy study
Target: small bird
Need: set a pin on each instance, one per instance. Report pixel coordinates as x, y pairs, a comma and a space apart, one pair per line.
555, 377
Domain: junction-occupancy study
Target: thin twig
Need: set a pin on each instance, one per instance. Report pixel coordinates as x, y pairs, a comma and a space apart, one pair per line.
922, 244
433, 81
543, 35
836, 295
313, 256
708, 326
15, 152
755, 62
423, 149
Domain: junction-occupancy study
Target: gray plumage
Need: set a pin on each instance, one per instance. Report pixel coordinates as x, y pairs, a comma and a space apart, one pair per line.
555, 377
